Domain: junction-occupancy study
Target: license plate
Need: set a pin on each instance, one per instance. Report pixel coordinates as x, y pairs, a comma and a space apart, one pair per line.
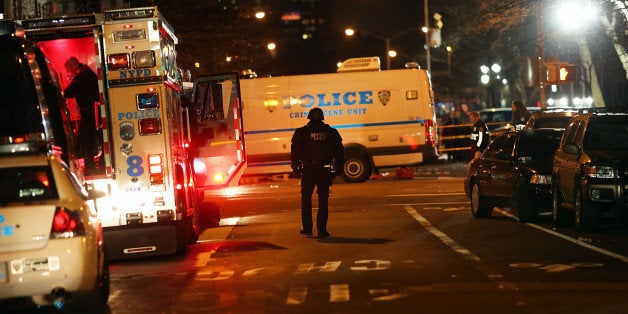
4, 275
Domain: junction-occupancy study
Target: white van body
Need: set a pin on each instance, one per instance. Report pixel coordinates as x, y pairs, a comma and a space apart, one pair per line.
385, 118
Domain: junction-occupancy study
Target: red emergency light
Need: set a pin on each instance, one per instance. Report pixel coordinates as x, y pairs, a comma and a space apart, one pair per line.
118, 61
150, 126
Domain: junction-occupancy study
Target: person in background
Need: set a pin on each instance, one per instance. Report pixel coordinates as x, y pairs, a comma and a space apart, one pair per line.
84, 88
520, 114
317, 154
479, 135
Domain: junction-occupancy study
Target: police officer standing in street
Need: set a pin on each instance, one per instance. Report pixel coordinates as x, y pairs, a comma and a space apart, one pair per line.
479, 135
317, 154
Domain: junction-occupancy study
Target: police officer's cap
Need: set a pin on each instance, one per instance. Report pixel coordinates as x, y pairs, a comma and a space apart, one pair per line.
316, 114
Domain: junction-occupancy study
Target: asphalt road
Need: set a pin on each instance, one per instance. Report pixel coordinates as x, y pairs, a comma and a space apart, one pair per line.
397, 246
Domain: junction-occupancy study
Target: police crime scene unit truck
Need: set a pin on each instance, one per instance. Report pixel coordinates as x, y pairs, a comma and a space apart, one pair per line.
146, 167
385, 118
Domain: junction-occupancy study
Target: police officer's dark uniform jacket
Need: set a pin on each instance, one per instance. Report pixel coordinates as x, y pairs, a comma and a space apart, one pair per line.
317, 154
479, 137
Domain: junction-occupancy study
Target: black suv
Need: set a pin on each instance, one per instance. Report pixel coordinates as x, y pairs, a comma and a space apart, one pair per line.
551, 118
590, 171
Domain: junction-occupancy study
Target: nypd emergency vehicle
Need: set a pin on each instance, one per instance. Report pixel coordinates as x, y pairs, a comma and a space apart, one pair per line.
147, 166
385, 118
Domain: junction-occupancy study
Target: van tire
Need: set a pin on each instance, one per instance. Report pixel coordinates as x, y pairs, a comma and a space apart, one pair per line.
357, 168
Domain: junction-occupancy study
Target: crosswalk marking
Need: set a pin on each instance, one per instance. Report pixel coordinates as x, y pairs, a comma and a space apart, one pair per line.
296, 296
339, 293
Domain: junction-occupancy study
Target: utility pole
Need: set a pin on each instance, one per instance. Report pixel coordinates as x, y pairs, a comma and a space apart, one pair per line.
540, 53
426, 16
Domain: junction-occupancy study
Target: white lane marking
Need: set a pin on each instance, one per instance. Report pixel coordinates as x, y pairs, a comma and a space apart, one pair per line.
339, 293
232, 221
466, 254
203, 258
570, 239
391, 297
327, 268
296, 295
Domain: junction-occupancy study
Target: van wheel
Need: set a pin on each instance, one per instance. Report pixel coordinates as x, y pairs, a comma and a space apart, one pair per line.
479, 206
585, 216
357, 168
525, 210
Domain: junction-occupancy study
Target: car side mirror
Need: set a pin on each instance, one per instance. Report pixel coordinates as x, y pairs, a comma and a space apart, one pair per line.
571, 149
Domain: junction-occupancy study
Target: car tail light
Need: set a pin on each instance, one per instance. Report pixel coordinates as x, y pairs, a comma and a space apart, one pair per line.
150, 126
155, 169
118, 61
429, 132
66, 224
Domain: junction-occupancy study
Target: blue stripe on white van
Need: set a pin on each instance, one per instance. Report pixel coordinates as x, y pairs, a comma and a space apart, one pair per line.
342, 126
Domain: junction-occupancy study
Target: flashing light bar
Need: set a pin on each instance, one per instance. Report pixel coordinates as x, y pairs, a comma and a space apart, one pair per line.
59, 22
129, 35
124, 14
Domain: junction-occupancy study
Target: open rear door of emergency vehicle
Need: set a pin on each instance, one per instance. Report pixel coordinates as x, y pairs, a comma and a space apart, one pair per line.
217, 137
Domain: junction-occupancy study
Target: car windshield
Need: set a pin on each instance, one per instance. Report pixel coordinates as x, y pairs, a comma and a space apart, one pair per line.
538, 145
26, 184
604, 135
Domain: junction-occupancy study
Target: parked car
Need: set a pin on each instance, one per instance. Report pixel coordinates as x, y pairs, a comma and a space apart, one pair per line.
514, 171
590, 172
51, 246
551, 118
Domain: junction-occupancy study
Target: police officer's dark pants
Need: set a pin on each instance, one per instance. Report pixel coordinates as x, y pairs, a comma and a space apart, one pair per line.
320, 177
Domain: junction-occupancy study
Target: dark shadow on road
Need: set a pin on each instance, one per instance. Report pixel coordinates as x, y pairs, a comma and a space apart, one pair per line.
342, 240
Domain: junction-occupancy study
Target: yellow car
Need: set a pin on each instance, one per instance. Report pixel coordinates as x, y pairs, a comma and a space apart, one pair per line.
51, 244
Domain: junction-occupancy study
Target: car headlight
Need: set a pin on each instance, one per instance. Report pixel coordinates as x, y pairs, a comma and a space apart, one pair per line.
541, 179
600, 172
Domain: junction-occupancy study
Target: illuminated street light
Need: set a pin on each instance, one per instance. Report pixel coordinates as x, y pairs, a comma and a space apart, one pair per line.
260, 15
228, 59
350, 32
571, 15
490, 78
496, 68
271, 46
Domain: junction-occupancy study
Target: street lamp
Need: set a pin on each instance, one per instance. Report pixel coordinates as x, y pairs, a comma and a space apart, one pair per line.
490, 76
389, 54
